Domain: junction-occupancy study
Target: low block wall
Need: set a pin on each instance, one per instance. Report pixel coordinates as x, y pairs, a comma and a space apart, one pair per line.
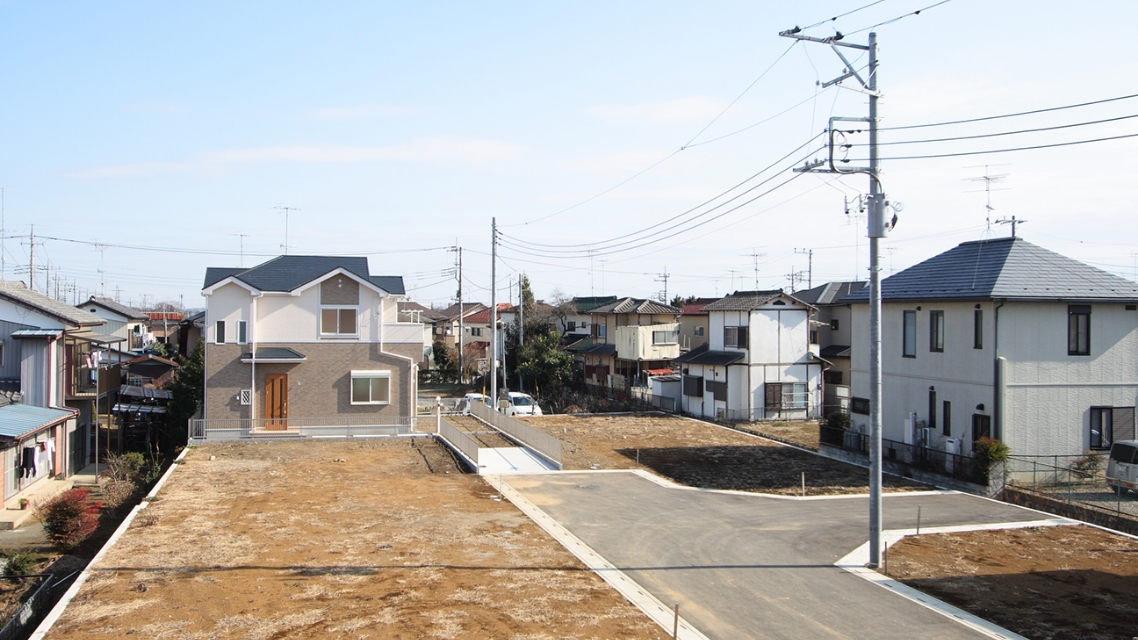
1074, 511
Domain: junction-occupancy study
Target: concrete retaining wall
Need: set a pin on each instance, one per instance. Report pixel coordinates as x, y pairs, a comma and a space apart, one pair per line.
1070, 510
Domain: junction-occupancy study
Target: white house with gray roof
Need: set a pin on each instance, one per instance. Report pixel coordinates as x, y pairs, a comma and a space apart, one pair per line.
759, 362
1006, 339
307, 341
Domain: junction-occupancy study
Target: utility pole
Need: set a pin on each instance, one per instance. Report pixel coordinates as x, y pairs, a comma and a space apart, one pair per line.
3, 235
460, 310
493, 312
876, 230
521, 328
32, 259
664, 278
286, 210
809, 253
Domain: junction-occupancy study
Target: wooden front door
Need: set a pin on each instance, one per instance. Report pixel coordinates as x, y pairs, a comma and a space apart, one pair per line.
276, 401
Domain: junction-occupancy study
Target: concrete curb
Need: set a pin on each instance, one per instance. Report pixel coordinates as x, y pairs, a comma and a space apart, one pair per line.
855, 561
73, 590
646, 602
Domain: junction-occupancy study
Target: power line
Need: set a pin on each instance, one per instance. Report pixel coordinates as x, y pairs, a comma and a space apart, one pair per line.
842, 15
1009, 133
1011, 115
219, 252
1031, 148
900, 17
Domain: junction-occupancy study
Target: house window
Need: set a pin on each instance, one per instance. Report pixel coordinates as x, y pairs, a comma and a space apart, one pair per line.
693, 385
977, 329
946, 418
859, 406
813, 336
665, 337
981, 426
936, 331
338, 321
794, 395
932, 409
1109, 424
735, 337
601, 330
572, 325
832, 377
219, 332
1079, 330
476, 332
698, 332
909, 335
242, 332
833, 324
717, 389
371, 387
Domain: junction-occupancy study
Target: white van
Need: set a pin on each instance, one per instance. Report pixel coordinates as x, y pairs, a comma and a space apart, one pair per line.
1122, 466
520, 404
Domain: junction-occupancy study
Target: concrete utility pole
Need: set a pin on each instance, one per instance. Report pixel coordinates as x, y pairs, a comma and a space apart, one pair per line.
461, 325
664, 278
493, 312
809, 253
521, 328
876, 230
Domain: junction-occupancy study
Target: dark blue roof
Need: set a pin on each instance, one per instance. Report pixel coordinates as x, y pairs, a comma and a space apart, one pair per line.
286, 273
704, 355
1004, 268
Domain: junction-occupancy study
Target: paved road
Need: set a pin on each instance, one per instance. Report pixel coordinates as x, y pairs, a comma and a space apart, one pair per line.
748, 566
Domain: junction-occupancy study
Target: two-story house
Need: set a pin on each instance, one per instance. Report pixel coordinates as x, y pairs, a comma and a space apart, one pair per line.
306, 341
830, 330
630, 336
1006, 339
693, 324
120, 320
758, 363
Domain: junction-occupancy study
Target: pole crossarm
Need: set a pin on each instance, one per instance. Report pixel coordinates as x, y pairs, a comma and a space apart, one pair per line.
834, 40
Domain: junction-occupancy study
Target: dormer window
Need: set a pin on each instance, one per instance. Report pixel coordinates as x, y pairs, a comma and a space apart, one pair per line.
338, 322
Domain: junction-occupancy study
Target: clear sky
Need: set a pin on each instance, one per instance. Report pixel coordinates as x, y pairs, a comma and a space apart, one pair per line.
397, 129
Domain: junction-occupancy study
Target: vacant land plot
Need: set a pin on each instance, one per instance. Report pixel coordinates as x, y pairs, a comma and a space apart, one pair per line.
801, 432
703, 455
347, 539
1058, 583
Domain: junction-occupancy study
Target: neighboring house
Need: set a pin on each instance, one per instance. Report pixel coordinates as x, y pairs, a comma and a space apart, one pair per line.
418, 314
121, 320
574, 320
1006, 339
693, 324
34, 446
47, 346
757, 363
190, 333
447, 328
149, 370
162, 324
307, 340
478, 335
630, 336
830, 330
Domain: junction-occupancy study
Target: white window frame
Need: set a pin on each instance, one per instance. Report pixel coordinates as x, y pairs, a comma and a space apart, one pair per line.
476, 332
242, 332
665, 337
337, 333
219, 332
369, 375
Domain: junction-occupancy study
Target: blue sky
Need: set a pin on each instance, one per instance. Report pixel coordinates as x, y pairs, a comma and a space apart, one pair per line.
400, 128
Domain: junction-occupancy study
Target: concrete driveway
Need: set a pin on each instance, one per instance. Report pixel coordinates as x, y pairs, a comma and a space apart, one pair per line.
752, 566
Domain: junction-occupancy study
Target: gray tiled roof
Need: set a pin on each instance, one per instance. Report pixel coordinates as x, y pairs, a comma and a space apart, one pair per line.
121, 309
17, 292
285, 273
600, 349
635, 305
744, 300
704, 355
829, 293
585, 304
1004, 268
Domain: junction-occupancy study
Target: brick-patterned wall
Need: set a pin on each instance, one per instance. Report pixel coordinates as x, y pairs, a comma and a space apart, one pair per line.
340, 290
320, 387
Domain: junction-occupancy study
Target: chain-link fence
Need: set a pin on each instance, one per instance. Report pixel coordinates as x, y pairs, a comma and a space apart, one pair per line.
1076, 480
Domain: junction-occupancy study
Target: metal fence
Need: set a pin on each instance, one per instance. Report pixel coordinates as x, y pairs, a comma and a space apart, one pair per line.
951, 465
231, 429
760, 414
31, 610
635, 399
540, 441
459, 440
1074, 481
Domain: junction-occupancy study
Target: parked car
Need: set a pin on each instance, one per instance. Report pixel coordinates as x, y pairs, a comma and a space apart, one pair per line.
1122, 466
520, 404
464, 403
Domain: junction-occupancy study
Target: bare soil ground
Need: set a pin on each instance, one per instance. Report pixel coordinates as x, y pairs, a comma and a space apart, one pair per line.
800, 432
703, 455
1056, 583
375, 538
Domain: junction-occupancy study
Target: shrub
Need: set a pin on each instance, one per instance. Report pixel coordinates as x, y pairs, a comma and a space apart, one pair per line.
838, 420
989, 450
68, 519
20, 562
124, 467
118, 492
1089, 465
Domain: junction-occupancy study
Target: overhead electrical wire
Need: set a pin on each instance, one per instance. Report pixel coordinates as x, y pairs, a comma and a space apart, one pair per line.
900, 17
998, 134
842, 15
1031, 148
600, 245
94, 243
1010, 115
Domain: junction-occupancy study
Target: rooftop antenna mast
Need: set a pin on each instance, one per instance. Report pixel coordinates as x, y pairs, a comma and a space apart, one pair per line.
286, 210
988, 180
102, 248
241, 239
755, 257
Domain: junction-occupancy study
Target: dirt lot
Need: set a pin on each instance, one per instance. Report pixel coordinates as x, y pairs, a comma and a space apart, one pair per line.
702, 455
340, 539
802, 432
1056, 583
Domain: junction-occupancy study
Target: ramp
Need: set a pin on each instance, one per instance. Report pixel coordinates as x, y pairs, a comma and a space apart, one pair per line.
512, 460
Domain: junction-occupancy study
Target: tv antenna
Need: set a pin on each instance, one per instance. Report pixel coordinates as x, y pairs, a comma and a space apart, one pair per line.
286, 210
988, 180
241, 239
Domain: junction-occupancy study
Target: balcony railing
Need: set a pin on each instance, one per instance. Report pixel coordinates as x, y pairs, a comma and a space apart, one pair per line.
230, 429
